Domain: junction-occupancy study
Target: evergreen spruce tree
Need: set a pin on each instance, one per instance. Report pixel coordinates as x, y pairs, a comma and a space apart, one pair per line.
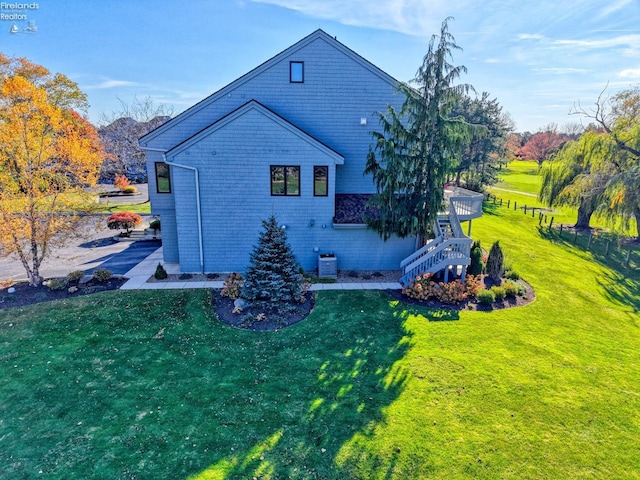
495, 262
273, 278
476, 259
419, 146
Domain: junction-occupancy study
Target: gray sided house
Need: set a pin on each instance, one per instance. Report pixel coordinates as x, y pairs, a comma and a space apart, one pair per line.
289, 138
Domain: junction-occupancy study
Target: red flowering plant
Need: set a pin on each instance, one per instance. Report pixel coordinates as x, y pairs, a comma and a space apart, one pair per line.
124, 221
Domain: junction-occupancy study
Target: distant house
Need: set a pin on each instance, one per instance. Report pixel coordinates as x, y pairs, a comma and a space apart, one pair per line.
288, 138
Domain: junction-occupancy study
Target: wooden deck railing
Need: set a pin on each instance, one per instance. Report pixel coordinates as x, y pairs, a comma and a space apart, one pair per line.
441, 252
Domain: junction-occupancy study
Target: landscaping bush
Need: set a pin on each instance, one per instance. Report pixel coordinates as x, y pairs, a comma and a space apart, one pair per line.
495, 263
499, 293
57, 283
161, 273
512, 275
486, 297
76, 276
130, 189
473, 284
425, 288
477, 265
273, 278
232, 285
102, 275
510, 289
123, 221
155, 225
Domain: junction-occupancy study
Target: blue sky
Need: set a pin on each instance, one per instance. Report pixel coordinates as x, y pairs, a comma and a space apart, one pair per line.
537, 57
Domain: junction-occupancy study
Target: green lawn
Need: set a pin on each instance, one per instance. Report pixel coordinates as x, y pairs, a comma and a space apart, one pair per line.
144, 207
521, 176
149, 385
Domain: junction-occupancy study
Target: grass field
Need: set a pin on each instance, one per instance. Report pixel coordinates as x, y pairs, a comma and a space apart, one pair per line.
149, 385
144, 207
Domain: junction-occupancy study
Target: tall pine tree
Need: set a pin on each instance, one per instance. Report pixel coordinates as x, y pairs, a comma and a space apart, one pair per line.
419, 147
273, 277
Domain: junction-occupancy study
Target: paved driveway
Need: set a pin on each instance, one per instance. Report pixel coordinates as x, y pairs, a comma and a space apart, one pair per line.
121, 262
94, 248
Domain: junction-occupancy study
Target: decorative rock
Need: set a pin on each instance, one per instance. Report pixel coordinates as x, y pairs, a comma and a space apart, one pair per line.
11, 290
240, 303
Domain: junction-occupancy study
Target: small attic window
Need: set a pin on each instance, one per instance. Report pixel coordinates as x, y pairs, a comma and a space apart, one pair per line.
296, 72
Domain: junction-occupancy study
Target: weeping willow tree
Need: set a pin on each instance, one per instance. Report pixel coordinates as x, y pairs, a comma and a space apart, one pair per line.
579, 174
419, 146
622, 124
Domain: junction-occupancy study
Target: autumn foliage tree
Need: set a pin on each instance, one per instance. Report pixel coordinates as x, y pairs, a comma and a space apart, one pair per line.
541, 146
49, 154
124, 221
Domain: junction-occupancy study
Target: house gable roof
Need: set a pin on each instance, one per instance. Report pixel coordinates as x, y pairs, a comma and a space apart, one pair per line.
255, 105
318, 34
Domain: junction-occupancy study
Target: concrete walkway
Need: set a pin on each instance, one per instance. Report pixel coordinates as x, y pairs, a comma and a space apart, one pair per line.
139, 275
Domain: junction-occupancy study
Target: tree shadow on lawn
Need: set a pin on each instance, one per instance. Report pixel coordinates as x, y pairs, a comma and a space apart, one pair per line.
150, 384
620, 290
620, 284
343, 372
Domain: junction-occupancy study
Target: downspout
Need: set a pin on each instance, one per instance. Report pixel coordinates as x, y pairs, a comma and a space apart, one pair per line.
198, 206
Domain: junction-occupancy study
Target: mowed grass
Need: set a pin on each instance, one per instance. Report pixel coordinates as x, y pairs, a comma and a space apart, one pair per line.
149, 385
521, 176
144, 207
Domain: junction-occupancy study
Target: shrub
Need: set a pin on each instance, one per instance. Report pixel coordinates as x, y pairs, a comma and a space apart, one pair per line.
486, 297
130, 189
121, 182
155, 225
424, 288
452, 292
102, 275
495, 262
274, 276
185, 276
232, 286
123, 220
76, 276
498, 293
510, 289
57, 283
512, 275
473, 283
477, 265
161, 273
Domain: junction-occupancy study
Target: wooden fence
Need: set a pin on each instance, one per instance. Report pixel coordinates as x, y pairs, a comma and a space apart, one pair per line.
606, 246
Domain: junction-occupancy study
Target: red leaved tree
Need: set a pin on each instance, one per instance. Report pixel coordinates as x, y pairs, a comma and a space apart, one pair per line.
541, 146
124, 221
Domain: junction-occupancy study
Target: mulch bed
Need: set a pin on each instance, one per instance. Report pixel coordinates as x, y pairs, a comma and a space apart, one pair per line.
26, 295
223, 308
519, 301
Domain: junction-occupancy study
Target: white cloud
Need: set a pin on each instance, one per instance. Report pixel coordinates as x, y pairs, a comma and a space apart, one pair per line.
530, 36
629, 43
412, 17
562, 70
108, 83
613, 7
630, 73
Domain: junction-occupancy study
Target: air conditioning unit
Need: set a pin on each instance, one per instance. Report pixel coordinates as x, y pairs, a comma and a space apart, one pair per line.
327, 266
